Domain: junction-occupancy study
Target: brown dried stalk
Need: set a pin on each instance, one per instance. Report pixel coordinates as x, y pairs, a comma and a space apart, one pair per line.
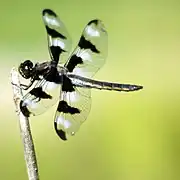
29, 151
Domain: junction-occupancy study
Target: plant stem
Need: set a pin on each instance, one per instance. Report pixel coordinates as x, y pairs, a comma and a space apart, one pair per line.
29, 151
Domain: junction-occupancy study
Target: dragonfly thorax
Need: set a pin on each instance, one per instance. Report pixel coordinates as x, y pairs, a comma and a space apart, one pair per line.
62, 70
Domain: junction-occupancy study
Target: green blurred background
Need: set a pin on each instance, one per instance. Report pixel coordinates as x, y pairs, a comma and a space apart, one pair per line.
127, 136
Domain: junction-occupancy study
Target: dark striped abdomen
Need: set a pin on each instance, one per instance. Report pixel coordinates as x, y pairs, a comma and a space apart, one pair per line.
120, 87
89, 83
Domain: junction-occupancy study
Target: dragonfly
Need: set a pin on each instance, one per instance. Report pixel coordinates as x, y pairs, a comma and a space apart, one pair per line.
68, 77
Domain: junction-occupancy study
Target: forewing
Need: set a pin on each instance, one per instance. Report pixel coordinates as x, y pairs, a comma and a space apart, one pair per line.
42, 96
73, 109
59, 41
90, 54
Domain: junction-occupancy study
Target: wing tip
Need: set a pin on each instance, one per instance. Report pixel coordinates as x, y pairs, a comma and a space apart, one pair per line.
24, 109
99, 24
94, 21
60, 132
49, 12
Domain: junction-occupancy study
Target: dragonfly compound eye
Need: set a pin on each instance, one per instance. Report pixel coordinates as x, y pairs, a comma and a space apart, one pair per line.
26, 69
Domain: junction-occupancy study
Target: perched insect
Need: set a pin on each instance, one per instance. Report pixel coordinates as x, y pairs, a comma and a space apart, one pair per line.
71, 83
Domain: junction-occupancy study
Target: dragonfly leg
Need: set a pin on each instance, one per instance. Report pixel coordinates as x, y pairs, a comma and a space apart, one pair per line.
24, 86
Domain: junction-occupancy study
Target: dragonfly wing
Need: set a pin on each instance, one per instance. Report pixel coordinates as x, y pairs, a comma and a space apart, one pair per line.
90, 54
73, 109
59, 41
42, 96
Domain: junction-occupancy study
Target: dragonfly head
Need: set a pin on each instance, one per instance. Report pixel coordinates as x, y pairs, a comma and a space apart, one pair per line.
26, 69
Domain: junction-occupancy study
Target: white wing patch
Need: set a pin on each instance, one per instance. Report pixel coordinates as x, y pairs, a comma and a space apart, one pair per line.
50, 86
81, 72
58, 42
59, 120
67, 124
73, 96
84, 55
91, 31
52, 21
63, 122
30, 103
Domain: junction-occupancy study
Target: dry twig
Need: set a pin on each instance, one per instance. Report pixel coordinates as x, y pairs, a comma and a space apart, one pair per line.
29, 151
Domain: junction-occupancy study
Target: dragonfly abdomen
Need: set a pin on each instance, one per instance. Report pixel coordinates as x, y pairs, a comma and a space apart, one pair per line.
120, 87
80, 81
